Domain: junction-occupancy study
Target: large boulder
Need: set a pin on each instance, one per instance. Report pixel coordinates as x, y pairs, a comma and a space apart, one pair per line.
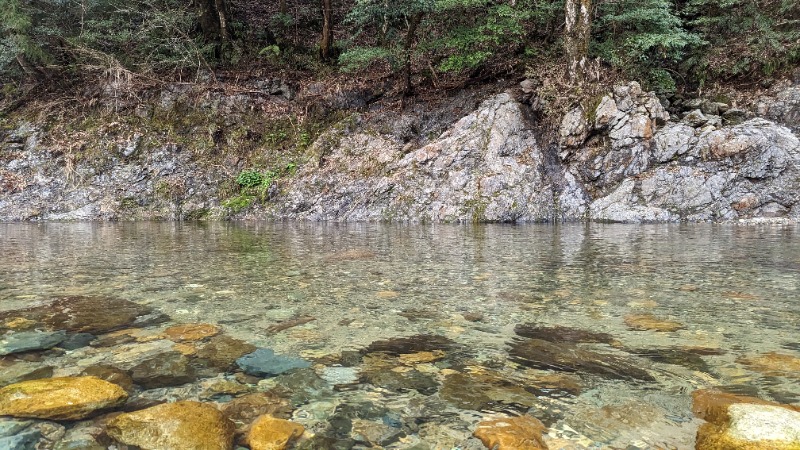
68, 398
83, 314
185, 424
740, 172
739, 422
486, 167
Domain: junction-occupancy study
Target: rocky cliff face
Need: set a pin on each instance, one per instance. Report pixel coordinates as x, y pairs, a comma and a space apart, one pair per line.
621, 159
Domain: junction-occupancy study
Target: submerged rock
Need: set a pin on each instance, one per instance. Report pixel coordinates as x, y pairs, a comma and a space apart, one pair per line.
179, 425
26, 341
271, 433
221, 352
773, 364
18, 434
95, 315
676, 356
243, 410
649, 322
110, 374
69, 398
165, 369
514, 433
191, 332
388, 372
567, 357
84, 436
738, 422
484, 390
77, 340
26, 439
411, 344
23, 371
264, 363
562, 334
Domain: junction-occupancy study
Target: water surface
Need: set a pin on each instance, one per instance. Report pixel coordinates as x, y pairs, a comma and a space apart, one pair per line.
733, 292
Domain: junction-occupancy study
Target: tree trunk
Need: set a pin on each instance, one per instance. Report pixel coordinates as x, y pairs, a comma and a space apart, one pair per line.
326, 43
221, 8
282, 7
577, 32
213, 19
413, 24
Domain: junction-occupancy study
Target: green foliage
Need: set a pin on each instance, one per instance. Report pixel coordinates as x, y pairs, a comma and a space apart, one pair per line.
453, 35
249, 179
665, 43
254, 185
238, 203
745, 38
482, 35
644, 37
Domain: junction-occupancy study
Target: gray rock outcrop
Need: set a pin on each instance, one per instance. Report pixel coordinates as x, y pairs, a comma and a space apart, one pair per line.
623, 159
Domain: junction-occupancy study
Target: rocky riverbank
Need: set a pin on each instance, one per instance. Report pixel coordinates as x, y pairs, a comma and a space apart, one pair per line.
621, 157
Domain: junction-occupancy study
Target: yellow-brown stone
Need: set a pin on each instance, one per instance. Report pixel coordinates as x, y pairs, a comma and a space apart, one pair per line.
271, 433
649, 322
179, 425
68, 398
513, 433
774, 364
191, 332
737, 422
421, 357
20, 324
185, 349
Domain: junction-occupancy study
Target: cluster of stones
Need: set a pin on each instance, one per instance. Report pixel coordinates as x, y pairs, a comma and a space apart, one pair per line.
145, 392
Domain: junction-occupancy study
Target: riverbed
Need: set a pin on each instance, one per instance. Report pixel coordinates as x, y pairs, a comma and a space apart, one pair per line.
407, 336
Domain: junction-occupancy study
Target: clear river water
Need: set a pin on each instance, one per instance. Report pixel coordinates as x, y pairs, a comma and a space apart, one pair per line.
415, 333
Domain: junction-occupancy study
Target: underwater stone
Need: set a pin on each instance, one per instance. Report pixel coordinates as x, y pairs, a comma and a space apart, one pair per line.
77, 340
10, 427
773, 364
221, 352
68, 398
165, 369
30, 340
514, 433
265, 363
649, 322
271, 433
183, 425
23, 371
411, 344
24, 440
735, 422
562, 334
80, 314
243, 410
566, 357
191, 332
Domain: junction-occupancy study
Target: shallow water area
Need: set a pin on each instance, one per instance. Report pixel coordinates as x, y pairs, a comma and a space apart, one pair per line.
408, 336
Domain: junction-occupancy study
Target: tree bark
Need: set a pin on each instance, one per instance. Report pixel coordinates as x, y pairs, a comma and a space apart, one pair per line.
213, 19
577, 32
221, 8
413, 24
282, 8
326, 43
